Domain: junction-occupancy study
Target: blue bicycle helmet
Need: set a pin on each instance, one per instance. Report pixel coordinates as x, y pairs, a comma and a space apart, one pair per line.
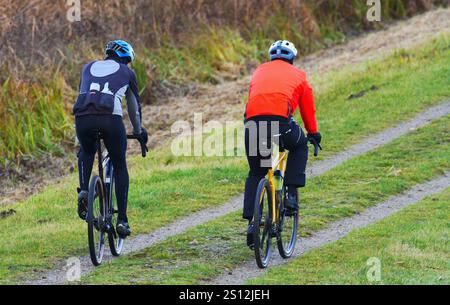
121, 48
283, 49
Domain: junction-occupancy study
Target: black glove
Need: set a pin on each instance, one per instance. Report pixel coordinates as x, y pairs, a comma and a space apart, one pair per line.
143, 136
317, 137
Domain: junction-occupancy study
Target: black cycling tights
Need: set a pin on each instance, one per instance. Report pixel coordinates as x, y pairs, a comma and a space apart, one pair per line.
115, 139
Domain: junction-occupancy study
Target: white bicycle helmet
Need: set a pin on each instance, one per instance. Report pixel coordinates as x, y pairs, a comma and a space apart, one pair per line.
283, 49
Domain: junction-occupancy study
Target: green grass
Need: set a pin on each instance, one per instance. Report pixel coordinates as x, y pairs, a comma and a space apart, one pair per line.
214, 55
32, 118
45, 227
213, 248
411, 245
208, 49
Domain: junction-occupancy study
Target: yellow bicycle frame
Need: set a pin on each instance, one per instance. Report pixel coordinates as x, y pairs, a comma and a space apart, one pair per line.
279, 163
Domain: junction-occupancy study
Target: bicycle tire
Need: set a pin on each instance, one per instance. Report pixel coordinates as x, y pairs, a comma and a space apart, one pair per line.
115, 242
263, 224
95, 222
286, 249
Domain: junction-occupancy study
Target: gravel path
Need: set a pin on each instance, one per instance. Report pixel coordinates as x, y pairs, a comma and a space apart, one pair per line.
368, 47
140, 242
212, 98
340, 229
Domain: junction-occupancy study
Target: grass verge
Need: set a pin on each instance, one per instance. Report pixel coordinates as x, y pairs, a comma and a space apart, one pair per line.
211, 43
33, 118
45, 227
211, 249
411, 246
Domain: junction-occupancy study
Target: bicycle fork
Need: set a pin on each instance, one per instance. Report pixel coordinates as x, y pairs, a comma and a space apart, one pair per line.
273, 199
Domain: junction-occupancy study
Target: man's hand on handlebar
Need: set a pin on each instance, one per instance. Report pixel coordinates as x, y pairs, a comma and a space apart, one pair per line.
143, 140
143, 136
315, 139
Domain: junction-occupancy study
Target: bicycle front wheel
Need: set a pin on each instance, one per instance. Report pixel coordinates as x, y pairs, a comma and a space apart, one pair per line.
96, 220
114, 240
287, 231
262, 221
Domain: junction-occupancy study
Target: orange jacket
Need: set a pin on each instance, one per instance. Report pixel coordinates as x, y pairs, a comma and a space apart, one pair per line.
279, 88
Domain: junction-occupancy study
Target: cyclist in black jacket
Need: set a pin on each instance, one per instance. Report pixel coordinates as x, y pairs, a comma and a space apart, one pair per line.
103, 86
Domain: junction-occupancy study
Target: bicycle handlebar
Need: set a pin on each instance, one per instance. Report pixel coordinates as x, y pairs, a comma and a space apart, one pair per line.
317, 146
144, 148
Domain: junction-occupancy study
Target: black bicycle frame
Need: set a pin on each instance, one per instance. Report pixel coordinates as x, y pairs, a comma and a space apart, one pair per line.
105, 163
107, 183
100, 157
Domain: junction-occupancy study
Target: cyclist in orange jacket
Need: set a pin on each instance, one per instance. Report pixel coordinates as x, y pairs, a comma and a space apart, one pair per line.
277, 89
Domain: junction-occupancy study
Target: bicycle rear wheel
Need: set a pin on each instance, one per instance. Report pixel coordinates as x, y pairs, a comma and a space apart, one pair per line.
287, 231
262, 220
96, 220
115, 242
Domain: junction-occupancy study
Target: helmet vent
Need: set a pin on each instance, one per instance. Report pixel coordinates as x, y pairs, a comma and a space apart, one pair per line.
282, 49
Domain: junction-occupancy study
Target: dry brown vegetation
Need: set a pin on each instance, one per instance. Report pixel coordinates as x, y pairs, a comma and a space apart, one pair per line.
37, 30
179, 43
213, 100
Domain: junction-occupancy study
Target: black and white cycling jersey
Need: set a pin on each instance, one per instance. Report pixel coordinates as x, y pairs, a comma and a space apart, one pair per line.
103, 86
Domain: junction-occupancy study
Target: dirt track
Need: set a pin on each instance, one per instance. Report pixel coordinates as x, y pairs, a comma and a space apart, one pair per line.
58, 275
224, 102
340, 229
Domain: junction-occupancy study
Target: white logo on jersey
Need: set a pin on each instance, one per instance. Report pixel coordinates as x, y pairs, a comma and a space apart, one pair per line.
104, 68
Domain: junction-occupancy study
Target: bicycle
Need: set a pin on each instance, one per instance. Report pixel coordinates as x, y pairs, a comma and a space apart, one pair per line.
102, 207
270, 216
